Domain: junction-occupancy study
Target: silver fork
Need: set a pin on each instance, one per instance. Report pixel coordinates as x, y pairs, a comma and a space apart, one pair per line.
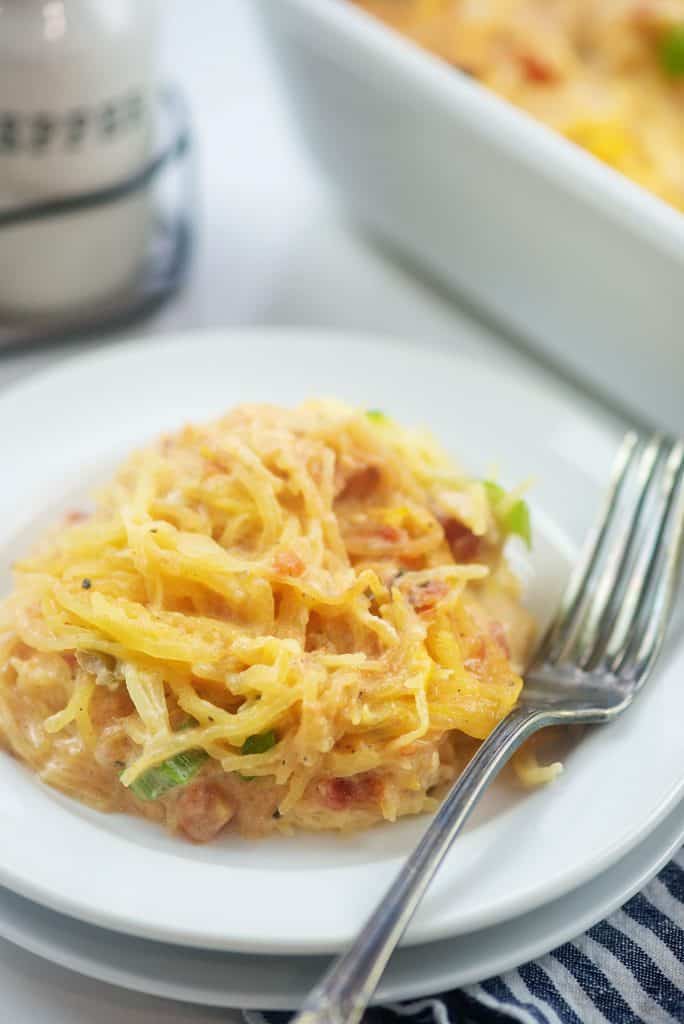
592, 662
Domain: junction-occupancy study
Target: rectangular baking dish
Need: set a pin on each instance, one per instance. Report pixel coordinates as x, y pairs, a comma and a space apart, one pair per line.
585, 265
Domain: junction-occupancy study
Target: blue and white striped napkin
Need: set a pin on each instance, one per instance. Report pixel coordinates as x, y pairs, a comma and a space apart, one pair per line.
629, 969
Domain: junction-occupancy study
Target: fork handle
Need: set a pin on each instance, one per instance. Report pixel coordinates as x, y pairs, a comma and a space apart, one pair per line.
345, 990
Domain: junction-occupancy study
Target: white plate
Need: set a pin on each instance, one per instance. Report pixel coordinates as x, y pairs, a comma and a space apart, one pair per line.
283, 895
212, 978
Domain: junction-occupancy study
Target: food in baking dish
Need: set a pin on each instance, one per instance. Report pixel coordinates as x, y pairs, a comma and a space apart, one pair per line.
607, 74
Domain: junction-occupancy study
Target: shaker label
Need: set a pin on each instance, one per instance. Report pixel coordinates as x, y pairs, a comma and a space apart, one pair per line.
42, 132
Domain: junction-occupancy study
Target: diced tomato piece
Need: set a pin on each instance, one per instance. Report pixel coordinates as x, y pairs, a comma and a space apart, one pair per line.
361, 483
426, 595
202, 811
340, 794
376, 537
288, 563
391, 534
409, 564
465, 546
536, 69
499, 634
337, 793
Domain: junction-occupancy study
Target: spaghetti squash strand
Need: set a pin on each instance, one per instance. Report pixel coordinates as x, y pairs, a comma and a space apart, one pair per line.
276, 620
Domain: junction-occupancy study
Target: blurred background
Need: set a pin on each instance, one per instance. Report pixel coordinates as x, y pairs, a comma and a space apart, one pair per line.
270, 244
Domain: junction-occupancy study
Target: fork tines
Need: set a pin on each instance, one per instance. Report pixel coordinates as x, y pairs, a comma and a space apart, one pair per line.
616, 608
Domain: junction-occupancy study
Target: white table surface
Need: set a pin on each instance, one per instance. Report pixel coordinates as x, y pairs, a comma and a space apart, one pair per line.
272, 249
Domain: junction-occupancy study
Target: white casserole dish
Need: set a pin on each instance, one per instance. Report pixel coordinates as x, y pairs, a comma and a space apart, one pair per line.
585, 265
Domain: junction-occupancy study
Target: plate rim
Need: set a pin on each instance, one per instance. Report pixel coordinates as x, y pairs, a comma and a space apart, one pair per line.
388, 990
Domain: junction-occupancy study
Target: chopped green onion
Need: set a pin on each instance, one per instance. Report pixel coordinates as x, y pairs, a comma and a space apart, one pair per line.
175, 771
259, 743
517, 521
494, 492
377, 415
672, 51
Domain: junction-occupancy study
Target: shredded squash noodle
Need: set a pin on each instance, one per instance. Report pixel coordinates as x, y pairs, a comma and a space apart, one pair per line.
283, 619
607, 74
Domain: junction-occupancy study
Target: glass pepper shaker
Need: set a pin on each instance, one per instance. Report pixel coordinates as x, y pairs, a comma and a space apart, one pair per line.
78, 82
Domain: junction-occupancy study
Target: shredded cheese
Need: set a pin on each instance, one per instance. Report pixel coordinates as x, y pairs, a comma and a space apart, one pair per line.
278, 573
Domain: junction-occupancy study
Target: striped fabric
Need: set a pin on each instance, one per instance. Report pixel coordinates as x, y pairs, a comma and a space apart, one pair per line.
628, 969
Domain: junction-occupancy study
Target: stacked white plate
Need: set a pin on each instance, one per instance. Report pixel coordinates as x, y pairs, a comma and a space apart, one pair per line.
116, 899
